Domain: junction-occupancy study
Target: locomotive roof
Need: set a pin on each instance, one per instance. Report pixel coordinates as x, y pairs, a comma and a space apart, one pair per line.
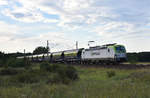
96, 48
100, 47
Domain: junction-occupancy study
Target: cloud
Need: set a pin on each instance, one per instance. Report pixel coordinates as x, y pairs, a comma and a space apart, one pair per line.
3, 2
28, 16
7, 31
14, 38
121, 30
113, 29
104, 20
72, 13
133, 36
57, 40
78, 13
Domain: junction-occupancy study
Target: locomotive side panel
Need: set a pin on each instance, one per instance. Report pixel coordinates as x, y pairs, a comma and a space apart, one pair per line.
98, 54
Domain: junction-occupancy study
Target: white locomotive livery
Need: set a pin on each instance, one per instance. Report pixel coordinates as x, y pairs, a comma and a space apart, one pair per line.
110, 52
98, 54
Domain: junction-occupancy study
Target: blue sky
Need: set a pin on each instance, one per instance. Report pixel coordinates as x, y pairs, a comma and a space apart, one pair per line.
26, 24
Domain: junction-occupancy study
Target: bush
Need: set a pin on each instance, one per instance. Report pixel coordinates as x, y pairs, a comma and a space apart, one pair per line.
26, 77
133, 62
71, 72
56, 67
54, 78
63, 74
133, 59
67, 72
45, 66
47, 73
1, 63
9, 71
13, 62
111, 73
27, 63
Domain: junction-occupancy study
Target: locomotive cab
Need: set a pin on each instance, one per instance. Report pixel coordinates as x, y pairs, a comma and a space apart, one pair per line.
120, 53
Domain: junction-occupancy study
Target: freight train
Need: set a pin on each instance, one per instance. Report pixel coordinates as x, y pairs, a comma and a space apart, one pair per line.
109, 53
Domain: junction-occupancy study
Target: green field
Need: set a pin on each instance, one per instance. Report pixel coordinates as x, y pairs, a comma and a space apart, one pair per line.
94, 82
138, 63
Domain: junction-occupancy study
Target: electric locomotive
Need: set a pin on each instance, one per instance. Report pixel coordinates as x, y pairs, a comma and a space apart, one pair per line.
105, 53
109, 53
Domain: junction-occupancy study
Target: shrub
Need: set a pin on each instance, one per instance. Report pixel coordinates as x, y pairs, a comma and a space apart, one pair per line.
63, 74
9, 71
67, 73
1, 63
55, 67
12, 62
26, 77
57, 78
71, 72
133, 60
27, 63
111, 73
47, 73
45, 66
54, 78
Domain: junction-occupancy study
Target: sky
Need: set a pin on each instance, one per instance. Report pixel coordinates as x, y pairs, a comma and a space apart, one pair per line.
27, 24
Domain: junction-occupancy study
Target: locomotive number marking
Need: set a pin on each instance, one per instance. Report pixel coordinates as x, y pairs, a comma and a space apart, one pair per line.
95, 53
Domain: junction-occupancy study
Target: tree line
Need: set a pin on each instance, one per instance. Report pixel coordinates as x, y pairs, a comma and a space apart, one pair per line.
139, 57
6, 57
37, 50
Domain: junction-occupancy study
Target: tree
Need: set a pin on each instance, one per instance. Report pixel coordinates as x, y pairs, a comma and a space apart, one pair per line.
1, 55
140, 57
40, 50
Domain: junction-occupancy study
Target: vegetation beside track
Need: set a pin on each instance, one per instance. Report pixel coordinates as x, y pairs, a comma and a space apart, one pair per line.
143, 63
39, 81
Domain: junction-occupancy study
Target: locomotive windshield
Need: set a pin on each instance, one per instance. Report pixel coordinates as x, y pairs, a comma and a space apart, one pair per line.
120, 49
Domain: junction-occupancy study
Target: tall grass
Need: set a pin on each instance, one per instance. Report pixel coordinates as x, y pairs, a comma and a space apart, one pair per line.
46, 73
93, 83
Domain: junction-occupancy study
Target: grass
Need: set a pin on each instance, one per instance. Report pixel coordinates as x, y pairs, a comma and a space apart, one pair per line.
137, 63
93, 83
